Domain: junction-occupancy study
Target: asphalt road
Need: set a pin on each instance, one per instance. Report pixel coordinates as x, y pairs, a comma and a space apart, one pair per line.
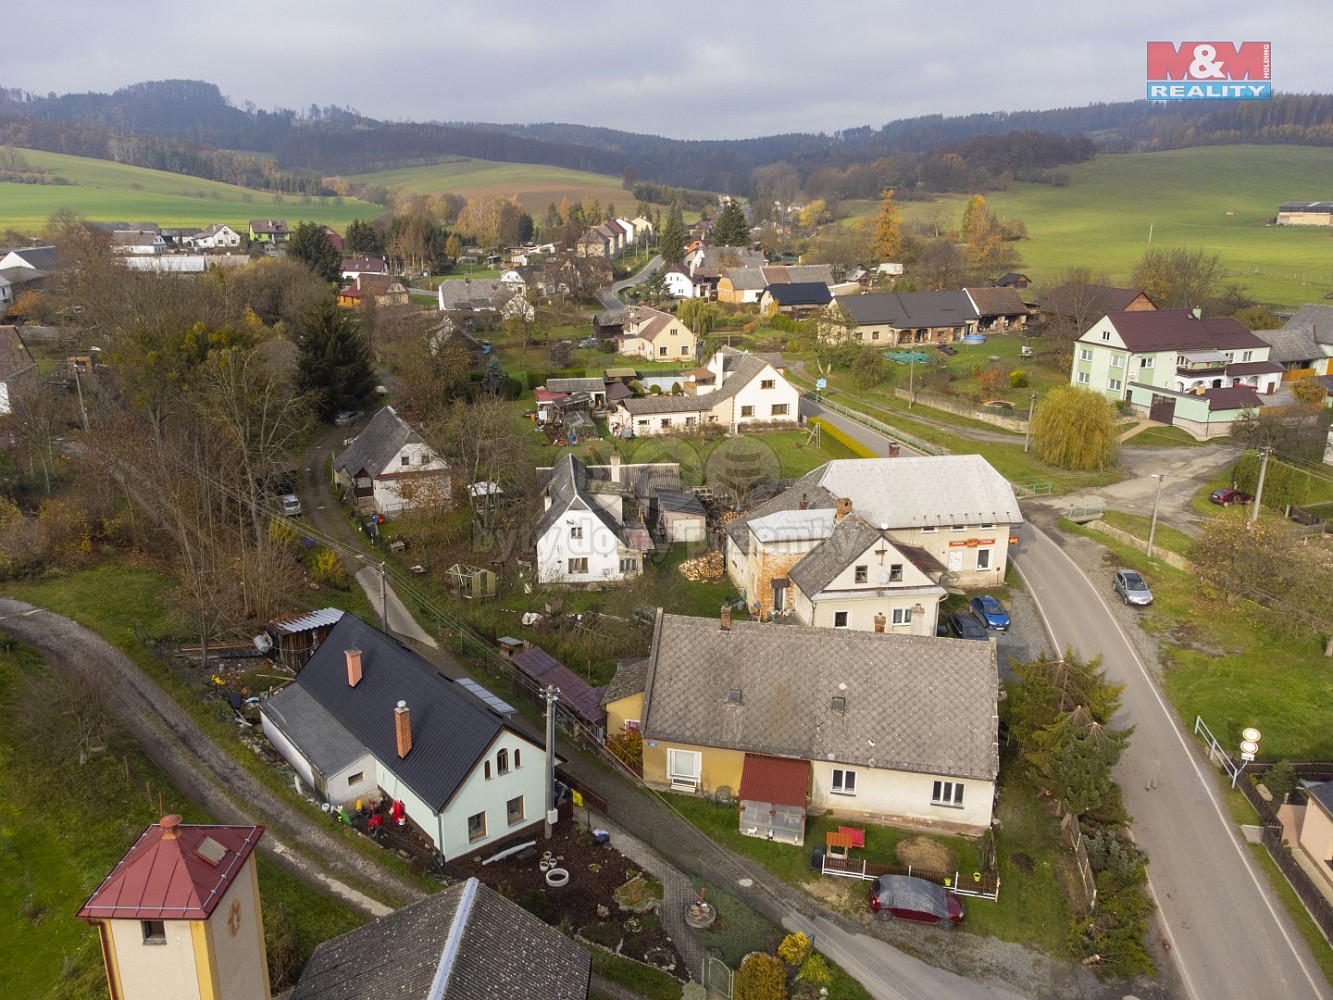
1229, 936
1228, 933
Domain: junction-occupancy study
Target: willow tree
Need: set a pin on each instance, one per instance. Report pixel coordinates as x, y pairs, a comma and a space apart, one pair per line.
1075, 428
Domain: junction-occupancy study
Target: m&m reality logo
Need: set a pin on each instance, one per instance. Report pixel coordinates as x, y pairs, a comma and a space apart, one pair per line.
1209, 71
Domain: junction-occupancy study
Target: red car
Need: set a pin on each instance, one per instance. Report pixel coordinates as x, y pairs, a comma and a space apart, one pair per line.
905, 897
1226, 498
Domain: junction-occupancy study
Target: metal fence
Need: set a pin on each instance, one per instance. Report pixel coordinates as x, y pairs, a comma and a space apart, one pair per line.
893, 433
979, 884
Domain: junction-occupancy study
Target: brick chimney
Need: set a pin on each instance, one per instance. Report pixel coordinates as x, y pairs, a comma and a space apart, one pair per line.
880, 622
844, 508
895, 449
402, 729
353, 666
170, 826
726, 618
805, 502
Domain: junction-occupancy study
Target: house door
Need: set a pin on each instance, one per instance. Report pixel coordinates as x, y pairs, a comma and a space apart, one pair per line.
1163, 409
955, 560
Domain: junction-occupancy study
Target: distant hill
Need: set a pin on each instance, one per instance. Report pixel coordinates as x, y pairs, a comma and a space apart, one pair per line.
183, 123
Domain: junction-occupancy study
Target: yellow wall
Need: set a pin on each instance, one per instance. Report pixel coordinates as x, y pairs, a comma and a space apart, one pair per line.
155, 971
621, 709
720, 767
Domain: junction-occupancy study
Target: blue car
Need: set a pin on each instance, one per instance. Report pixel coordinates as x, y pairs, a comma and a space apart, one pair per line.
991, 611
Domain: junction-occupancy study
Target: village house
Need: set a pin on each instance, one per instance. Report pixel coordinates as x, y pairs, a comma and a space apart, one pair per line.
1304, 344
1075, 300
480, 295
18, 370
796, 299
389, 468
218, 236
137, 243
941, 521
736, 389
383, 289
462, 943
269, 231
998, 309
896, 319
354, 266
679, 283
1200, 374
368, 718
1305, 213
706, 265
899, 729
747, 284
657, 336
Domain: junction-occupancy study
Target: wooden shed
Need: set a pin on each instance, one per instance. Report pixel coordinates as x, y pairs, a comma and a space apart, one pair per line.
291, 641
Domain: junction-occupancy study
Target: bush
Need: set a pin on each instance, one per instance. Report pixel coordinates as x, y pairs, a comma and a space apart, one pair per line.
1281, 781
761, 977
1018, 378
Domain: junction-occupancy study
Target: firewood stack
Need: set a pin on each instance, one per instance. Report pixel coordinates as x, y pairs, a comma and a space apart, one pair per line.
708, 568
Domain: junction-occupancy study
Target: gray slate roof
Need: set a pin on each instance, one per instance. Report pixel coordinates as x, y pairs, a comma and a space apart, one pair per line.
631, 678
905, 310
39, 258
851, 536
451, 729
376, 447
480, 945
680, 502
568, 488
747, 368
1306, 336
913, 703
304, 721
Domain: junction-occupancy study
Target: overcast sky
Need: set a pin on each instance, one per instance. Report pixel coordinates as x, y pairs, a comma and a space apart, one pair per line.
685, 69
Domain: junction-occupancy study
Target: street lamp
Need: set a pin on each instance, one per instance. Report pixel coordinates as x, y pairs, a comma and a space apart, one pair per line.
1152, 528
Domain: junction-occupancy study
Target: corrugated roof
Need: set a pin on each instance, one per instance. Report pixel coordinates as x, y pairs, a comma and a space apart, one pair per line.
467, 939
782, 781
165, 878
579, 694
312, 619
909, 702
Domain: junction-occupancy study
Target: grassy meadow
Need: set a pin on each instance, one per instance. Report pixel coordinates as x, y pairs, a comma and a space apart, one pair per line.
1218, 198
103, 191
535, 186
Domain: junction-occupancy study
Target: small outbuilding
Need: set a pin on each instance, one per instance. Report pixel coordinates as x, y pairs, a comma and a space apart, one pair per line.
471, 583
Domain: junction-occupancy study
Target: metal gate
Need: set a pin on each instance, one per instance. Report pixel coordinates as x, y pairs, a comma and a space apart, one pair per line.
1163, 409
717, 976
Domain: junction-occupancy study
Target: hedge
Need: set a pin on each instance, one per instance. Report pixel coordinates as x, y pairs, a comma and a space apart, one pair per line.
856, 447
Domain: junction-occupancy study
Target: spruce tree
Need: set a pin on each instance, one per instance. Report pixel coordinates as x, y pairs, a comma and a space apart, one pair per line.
333, 360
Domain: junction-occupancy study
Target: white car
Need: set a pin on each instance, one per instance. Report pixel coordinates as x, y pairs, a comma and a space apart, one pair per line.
291, 504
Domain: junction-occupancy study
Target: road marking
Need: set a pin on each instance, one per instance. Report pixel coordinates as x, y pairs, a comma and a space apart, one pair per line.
1209, 787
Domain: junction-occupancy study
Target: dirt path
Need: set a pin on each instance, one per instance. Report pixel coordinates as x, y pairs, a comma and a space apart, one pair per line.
202, 769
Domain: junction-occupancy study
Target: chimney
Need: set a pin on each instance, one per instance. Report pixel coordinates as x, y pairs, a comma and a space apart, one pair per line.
726, 618
615, 467
402, 729
805, 502
895, 449
353, 666
170, 826
880, 622
844, 508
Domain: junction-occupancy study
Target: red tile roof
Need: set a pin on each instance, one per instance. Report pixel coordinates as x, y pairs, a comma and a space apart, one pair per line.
779, 780
170, 877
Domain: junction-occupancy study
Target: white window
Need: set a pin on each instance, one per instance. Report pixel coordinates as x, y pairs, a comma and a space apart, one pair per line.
1083, 378
578, 565
1117, 361
947, 793
1247, 355
987, 525
666, 421
684, 767
929, 528
1085, 354
576, 531
844, 782
840, 619
662, 351
1114, 384
902, 616
983, 558
1146, 362
958, 527
630, 565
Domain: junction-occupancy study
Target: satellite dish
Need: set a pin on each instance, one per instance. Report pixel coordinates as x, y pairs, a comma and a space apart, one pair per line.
883, 576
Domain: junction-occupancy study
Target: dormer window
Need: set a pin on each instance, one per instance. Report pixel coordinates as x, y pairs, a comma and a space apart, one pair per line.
839, 704
734, 696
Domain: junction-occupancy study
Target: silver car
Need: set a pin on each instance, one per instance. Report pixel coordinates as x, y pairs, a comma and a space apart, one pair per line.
1129, 585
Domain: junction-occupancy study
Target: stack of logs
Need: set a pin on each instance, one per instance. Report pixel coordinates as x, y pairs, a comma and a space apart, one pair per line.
708, 568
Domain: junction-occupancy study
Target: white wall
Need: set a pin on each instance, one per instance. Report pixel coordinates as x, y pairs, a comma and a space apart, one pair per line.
478, 794
763, 400
881, 792
598, 545
289, 753
155, 971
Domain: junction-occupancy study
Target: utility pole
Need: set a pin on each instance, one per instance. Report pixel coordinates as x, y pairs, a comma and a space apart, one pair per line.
1259, 490
911, 377
384, 603
1032, 406
1152, 528
552, 695
83, 410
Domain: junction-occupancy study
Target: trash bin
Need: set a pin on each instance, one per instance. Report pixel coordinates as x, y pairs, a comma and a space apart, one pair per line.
817, 858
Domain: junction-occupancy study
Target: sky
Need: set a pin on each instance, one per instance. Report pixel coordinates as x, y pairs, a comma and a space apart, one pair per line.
686, 69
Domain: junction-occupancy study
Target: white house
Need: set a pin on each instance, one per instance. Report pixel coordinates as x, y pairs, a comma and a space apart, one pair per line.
368, 718
218, 236
891, 728
390, 468
949, 518
591, 531
135, 242
657, 336
354, 267
679, 284
736, 389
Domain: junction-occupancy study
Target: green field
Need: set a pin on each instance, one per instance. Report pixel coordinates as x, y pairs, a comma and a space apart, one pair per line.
103, 191
535, 186
1218, 198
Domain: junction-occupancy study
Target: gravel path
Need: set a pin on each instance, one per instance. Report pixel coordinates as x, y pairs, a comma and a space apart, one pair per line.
200, 768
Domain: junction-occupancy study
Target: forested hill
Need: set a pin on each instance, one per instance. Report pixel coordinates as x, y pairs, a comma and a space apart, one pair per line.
136, 123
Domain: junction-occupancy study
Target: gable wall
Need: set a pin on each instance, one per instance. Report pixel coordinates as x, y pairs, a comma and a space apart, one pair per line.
598, 545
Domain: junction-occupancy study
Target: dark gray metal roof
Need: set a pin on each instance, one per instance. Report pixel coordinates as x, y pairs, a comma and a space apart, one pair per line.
679, 502
451, 729
905, 310
912, 702
468, 941
800, 293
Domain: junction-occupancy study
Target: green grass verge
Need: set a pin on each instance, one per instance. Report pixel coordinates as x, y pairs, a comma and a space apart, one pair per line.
1222, 662
1166, 437
1164, 537
642, 979
63, 827
102, 190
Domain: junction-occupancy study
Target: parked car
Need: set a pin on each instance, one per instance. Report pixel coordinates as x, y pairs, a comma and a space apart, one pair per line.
964, 625
291, 504
906, 897
1226, 498
345, 418
991, 612
1129, 585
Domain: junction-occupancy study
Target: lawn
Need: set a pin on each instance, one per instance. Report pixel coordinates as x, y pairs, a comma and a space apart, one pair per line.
102, 190
62, 829
535, 186
1164, 537
1223, 663
1215, 198
1166, 437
